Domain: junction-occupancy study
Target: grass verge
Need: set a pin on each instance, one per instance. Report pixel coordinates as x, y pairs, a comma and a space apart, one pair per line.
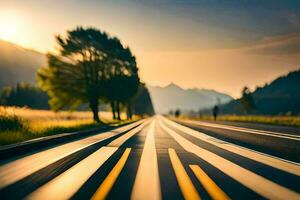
14, 129
274, 120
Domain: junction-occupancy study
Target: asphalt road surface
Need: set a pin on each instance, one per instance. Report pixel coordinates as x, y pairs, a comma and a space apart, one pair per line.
157, 158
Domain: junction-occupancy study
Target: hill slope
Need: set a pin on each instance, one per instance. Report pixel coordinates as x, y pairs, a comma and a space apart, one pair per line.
173, 97
281, 96
18, 64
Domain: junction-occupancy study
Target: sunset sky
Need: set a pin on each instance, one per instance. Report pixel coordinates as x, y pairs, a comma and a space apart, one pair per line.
214, 44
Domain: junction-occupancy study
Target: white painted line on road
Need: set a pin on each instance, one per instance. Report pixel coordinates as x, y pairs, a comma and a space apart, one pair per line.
120, 140
68, 183
19, 169
147, 184
278, 163
247, 130
255, 182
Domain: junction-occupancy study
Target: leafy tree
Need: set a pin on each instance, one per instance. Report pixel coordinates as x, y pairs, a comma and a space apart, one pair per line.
141, 104
123, 81
5, 95
247, 100
81, 71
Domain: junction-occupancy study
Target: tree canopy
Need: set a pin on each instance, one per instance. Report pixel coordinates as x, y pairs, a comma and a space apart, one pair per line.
247, 100
141, 102
89, 66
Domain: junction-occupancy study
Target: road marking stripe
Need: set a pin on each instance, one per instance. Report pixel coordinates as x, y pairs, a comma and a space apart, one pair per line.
120, 140
109, 181
186, 186
68, 183
211, 187
257, 183
247, 130
281, 164
19, 169
147, 174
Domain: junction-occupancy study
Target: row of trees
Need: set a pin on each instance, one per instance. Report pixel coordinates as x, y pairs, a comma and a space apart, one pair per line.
24, 94
27, 95
91, 67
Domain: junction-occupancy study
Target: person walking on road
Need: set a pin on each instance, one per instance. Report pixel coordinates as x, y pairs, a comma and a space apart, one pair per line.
215, 112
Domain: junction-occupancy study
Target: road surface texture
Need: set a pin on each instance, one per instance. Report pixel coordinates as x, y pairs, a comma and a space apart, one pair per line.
158, 158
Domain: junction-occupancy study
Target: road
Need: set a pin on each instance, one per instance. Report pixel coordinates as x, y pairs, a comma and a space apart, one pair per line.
157, 158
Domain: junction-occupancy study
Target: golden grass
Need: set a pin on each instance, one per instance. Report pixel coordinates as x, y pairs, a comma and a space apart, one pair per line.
50, 115
40, 123
275, 120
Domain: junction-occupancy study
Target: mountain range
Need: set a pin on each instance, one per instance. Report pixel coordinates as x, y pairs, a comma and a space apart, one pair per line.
173, 97
279, 97
18, 64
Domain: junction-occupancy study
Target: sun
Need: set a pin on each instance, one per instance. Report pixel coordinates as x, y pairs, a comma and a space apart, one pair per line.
9, 25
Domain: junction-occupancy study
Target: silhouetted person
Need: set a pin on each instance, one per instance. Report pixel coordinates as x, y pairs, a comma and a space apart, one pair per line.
177, 113
215, 112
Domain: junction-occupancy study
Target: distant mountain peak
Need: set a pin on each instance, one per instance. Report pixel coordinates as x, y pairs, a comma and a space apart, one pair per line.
173, 86
173, 96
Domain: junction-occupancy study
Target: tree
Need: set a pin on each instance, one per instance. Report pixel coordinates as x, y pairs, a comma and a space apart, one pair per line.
123, 81
5, 95
79, 73
247, 100
141, 103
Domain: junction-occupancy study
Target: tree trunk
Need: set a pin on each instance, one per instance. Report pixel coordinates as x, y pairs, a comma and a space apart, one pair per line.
118, 110
113, 109
95, 109
129, 112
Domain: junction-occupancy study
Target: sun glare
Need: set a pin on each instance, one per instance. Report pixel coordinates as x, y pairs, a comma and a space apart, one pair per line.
9, 26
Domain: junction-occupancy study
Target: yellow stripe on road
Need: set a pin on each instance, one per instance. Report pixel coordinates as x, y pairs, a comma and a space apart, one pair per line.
211, 187
109, 181
267, 188
15, 170
186, 186
278, 163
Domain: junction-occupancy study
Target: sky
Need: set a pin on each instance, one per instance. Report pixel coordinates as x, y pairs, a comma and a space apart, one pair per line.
215, 44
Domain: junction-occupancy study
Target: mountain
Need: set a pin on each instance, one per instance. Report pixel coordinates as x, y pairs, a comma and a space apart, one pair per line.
281, 96
172, 97
18, 64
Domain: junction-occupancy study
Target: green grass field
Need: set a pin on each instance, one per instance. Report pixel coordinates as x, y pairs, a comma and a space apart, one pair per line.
275, 120
21, 124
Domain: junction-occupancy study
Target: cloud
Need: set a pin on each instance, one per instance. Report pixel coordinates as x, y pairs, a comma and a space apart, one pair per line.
294, 19
279, 45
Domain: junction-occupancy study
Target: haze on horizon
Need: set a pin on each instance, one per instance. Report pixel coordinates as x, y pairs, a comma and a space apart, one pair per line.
215, 44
